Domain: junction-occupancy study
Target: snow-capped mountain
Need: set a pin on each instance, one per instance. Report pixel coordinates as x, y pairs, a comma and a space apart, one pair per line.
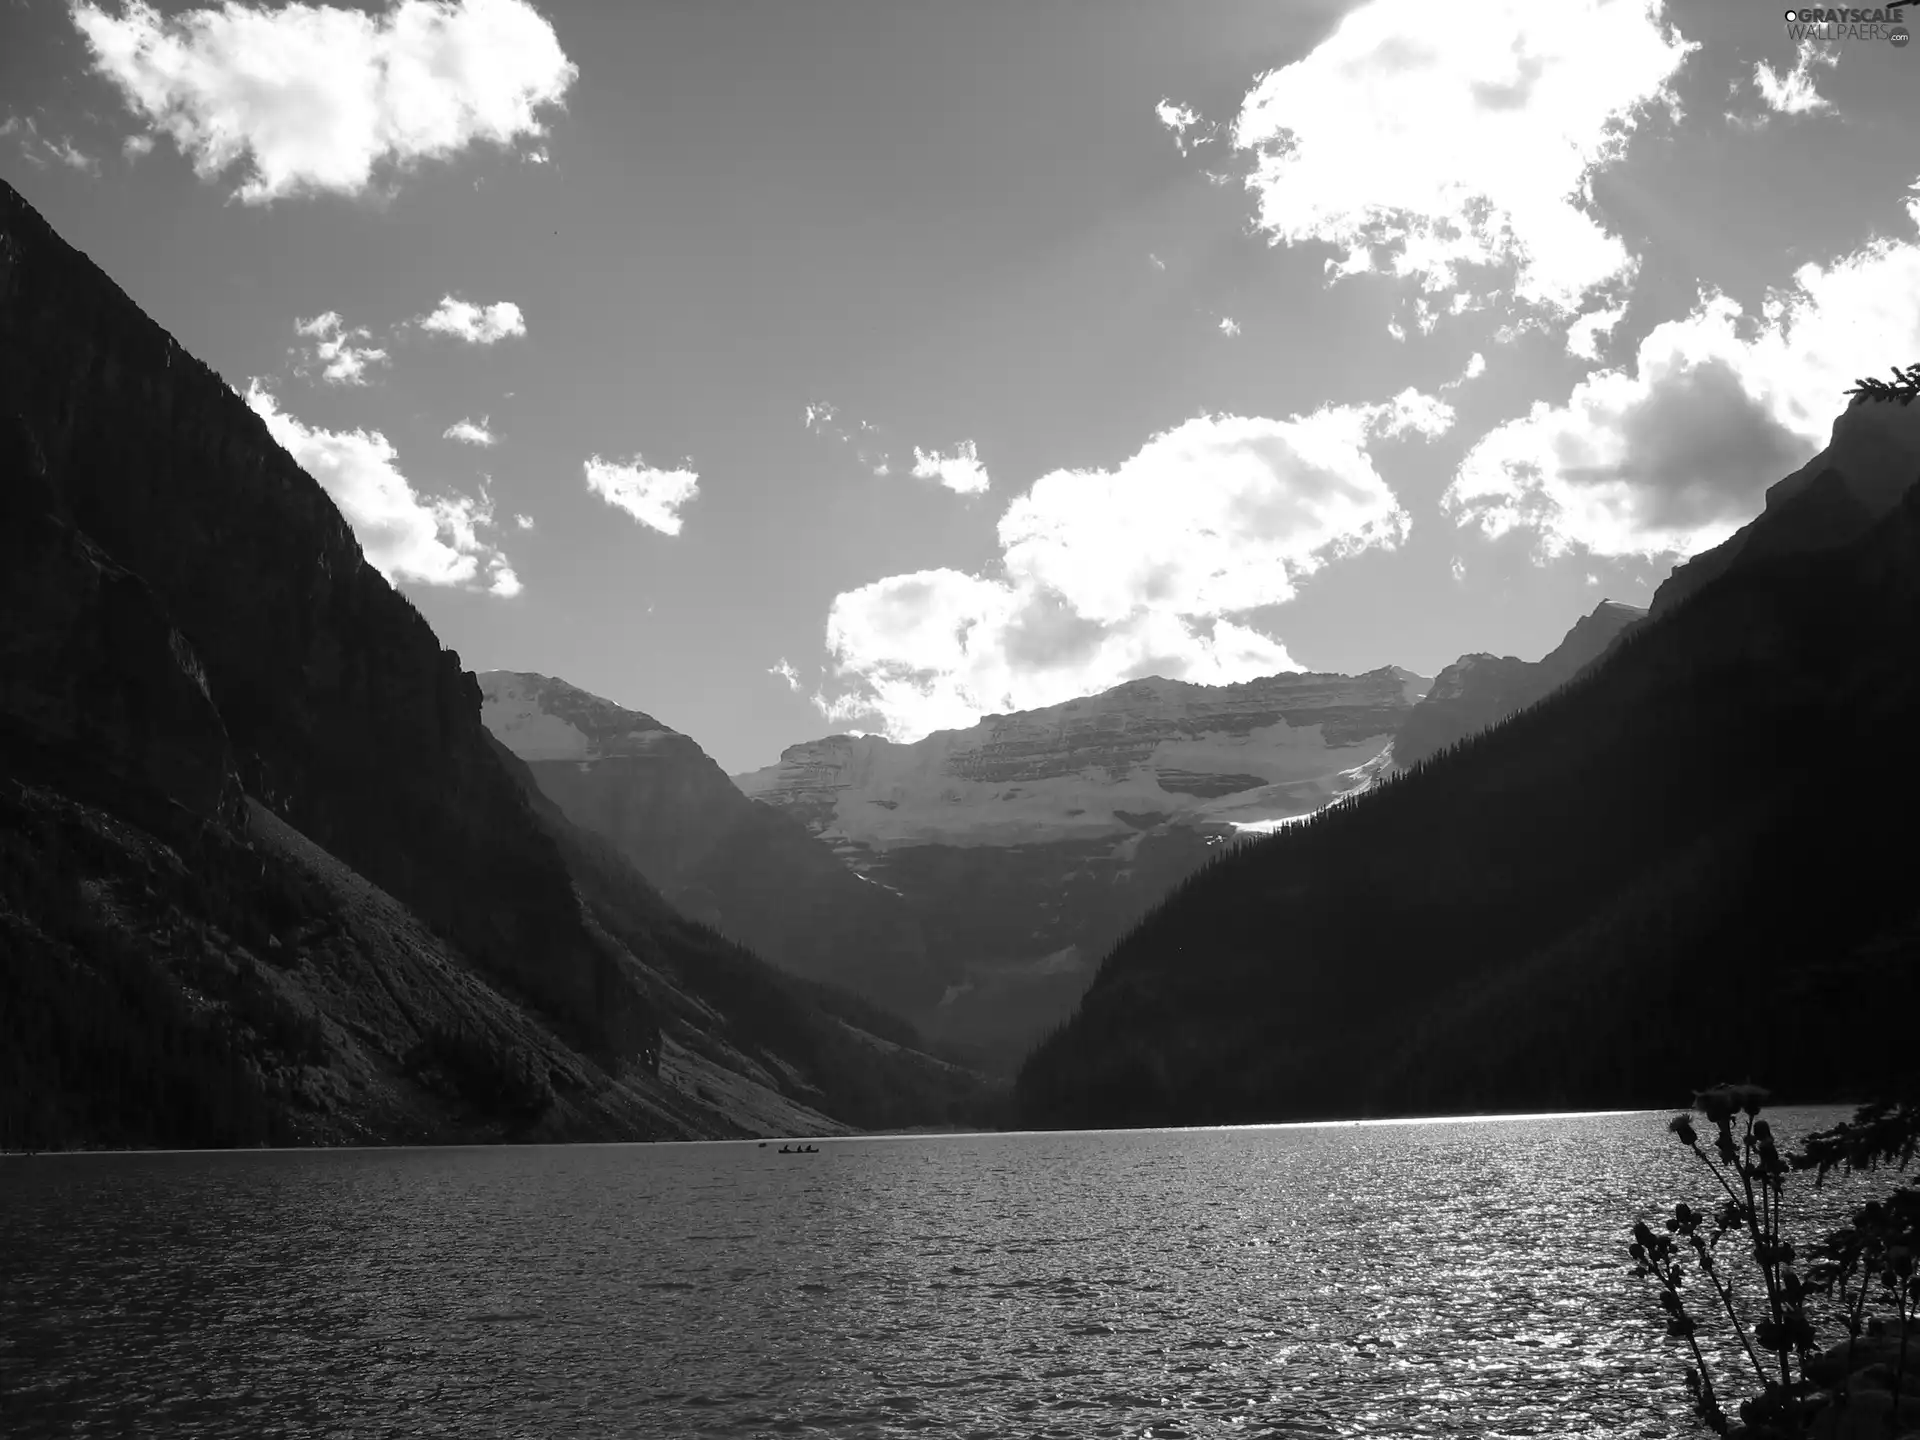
1113, 766
748, 870
1027, 843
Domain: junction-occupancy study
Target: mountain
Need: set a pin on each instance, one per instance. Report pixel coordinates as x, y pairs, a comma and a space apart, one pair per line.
264, 873
1479, 690
747, 869
1870, 461
1684, 863
1025, 844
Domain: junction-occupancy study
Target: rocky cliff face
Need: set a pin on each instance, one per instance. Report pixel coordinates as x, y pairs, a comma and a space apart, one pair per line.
1029, 842
1480, 690
345, 715
265, 875
750, 870
1870, 462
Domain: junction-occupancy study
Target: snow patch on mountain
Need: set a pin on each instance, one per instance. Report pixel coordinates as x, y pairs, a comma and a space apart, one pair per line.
1102, 767
539, 718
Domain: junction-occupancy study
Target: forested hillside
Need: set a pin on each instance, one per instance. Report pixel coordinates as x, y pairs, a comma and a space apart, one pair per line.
1691, 861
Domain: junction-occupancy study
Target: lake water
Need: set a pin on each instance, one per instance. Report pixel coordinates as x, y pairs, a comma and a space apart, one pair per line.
1405, 1279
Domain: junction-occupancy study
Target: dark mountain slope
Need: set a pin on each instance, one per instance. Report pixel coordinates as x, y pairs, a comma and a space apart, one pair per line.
740, 866
1481, 690
823, 1046
345, 715
1649, 876
1869, 462
264, 875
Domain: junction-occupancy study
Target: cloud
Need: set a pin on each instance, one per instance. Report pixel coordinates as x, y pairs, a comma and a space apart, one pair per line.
1229, 326
38, 150
1585, 334
1672, 452
136, 146
405, 536
961, 472
861, 437
1418, 141
650, 495
1410, 413
1156, 261
1476, 367
1104, 576
786, 672
469, 432
1180, 119
475, 324
341, 360
1793, 93
315, 98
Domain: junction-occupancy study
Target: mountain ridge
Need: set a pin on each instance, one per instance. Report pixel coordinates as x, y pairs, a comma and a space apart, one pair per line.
1648, 875
264, 873
747, 869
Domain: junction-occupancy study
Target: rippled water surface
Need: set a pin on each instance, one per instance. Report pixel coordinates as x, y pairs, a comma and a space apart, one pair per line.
1459, 1278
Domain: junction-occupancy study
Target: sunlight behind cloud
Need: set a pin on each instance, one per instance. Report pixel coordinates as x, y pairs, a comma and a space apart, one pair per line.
316, 98
1672, 453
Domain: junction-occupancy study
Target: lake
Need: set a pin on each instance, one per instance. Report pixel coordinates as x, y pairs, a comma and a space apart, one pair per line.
1394, 1279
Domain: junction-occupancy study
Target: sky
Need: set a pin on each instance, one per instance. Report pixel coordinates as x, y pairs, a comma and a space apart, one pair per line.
784, 367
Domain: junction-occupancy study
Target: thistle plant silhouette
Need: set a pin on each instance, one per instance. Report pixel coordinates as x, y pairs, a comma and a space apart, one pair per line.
1856, 1286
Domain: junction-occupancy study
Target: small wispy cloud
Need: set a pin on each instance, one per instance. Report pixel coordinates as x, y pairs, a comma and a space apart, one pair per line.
1156, 262
470, 432
1476, 367
1792, 92
40, 150
787, 673
861, 437
475, 324
337, 350
1180, 119
436, 540
651, 495
961, 472
1584, 335
1229, 326
136, 146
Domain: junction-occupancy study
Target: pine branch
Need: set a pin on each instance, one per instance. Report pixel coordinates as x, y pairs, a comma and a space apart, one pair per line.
1903, 387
